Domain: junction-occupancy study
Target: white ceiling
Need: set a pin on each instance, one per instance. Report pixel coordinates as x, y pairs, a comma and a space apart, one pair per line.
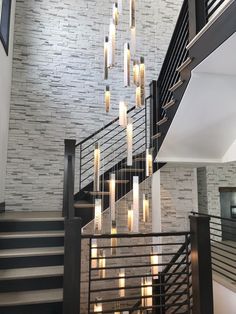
204, 127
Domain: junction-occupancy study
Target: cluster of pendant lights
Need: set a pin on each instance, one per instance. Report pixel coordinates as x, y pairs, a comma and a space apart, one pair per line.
138, 70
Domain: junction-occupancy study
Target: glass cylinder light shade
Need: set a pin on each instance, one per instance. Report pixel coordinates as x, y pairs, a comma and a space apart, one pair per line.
94, 253
107, 98
131, 219
112, 44
149, 162
98, 216
122, 282
129, 133
102, 264
136, 203
136, 73
106, 51
133, 41
138, 97
115, 13
112, 195
154, 262
145, 208
126, 65
123, 113
96, 182
146, 291
98, 305
132, 13
113, 240
142, 80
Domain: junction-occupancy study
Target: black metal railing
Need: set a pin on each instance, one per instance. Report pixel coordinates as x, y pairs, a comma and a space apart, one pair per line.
113, 146
212, 6
223, 246
162, 259
176, 55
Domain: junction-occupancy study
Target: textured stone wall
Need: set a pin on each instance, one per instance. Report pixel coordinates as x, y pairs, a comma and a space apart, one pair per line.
202, 190
178, 197
221, 175
57, 89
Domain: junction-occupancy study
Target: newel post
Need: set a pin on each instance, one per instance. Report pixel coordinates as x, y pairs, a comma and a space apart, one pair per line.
69, 178
201, 265
72, 266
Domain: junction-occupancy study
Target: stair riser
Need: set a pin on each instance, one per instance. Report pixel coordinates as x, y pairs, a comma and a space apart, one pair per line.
20, 226
31, 284
35, 261
49, 308
31, 242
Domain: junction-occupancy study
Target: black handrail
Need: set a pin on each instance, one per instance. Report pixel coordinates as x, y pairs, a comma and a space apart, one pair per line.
214, 216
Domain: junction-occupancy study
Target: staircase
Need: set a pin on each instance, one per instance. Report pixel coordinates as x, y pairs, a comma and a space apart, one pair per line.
31, 264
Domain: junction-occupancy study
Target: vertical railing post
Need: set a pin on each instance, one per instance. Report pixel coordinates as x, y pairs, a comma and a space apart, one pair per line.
72, 266
201, 265
197, 16
69, 178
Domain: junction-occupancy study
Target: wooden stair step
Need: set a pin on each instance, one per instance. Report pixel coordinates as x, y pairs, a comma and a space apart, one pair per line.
162, 121
29, 252
31, 272
131, 170
176, 85
169, 104
31, 297
156, 136
83, 205
184, 64
31, 234
119, 181
99, 193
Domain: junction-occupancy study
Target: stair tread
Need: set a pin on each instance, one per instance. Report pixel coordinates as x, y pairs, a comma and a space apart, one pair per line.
98, 192
169, 104
31, 272
31, 297
27, 252
31, 234
132, 169
31, 216
84, 205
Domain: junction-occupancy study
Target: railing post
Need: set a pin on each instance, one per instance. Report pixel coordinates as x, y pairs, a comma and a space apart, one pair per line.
201, 265
72, 266
153, 109
69, 177
197, 16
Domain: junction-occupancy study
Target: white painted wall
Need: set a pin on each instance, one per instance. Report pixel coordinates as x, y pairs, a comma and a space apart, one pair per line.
5, 92
156, 202
224, 299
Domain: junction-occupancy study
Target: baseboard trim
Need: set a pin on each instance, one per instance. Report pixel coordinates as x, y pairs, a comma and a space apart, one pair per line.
2, 207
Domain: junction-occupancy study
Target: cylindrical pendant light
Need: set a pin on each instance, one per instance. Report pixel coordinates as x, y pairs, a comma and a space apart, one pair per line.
107, 98
154, 263
112, 44
132, 13
106, 51
115, 13
138, 97
98, 216
145, 208
136, 73
126, 65
130, 219
142, 80
136, 202
146, 291
129, 133
112, 196
102, 264
113, 240
94, 253
96, 182
133, 41
123, 113
98, 305
149, 163
122, 282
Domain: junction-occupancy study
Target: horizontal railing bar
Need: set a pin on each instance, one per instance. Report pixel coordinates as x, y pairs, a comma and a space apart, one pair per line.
230, 246
221, 249
223, 225
223, 262
223, 274
228, 232
222, 268
139, 297
135, 235
141, 245
134, 256
214, 216
136, 287
135, 276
